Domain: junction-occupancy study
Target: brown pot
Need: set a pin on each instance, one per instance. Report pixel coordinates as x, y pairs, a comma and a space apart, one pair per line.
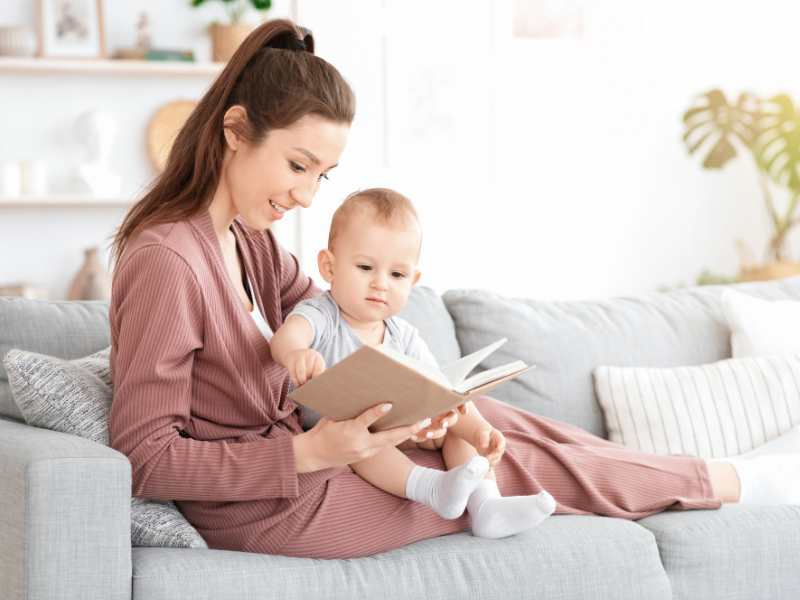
92, 282
225, 39
776, 270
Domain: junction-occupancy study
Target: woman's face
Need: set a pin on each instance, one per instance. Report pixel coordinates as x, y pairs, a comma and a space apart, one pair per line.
284, 171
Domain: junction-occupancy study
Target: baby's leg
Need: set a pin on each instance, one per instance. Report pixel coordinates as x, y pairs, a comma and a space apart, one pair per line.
492, 515
446, 492
456, 451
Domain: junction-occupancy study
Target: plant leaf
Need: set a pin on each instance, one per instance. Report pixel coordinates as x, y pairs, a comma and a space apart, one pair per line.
714, 121
777, 146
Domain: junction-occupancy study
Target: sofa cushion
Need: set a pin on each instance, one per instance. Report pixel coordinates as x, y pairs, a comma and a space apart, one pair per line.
758, 327
568, 340
711, 411
67, 329
74, 397
565, 557
426, 311
738, 551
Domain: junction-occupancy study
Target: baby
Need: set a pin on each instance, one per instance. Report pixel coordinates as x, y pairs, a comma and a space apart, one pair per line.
371, 266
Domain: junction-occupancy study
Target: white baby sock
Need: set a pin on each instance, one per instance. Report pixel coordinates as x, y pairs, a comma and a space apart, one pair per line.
446, 492
495, 516
770, 474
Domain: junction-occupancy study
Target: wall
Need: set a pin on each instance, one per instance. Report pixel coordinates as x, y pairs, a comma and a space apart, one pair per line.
551, 168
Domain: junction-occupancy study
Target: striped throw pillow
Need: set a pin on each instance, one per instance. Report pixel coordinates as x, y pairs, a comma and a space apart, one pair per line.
711, 411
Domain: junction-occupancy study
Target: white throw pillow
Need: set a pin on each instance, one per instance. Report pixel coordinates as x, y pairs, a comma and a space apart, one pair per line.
761, 327
711, 411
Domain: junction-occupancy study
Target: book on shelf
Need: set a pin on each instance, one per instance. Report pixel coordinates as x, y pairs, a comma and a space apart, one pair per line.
377, 374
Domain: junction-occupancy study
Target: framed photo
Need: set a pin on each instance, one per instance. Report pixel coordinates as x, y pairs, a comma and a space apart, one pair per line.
71, 29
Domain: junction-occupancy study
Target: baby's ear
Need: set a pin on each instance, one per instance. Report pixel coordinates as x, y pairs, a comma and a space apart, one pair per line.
325, 260
416, 278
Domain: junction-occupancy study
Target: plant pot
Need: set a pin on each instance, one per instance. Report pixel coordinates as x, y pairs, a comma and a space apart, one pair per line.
225, 39
776, 270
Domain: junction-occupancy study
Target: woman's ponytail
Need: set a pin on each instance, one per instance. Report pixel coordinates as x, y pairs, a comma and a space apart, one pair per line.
276, 77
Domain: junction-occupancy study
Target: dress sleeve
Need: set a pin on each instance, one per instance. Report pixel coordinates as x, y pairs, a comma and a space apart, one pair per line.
157, 320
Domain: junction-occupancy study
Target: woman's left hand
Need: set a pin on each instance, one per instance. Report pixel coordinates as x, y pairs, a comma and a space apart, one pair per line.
437, 429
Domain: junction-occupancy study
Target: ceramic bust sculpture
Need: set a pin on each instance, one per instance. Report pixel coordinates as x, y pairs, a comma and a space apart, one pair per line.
95, 131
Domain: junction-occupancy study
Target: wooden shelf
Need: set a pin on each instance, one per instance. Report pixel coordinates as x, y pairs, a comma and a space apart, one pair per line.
34, 66
61, 200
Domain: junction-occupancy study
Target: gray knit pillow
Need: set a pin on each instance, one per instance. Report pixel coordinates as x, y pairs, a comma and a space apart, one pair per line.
74, 396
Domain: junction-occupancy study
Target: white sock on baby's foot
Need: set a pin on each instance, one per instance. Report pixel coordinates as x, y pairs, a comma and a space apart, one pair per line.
446, 492
770, 473
495, 516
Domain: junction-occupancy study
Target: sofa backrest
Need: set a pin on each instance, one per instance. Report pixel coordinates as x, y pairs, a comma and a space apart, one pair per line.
567, 340
79, 328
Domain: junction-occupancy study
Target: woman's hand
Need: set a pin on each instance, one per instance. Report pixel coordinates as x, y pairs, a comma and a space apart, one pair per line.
304, 364
335, 443
437, 430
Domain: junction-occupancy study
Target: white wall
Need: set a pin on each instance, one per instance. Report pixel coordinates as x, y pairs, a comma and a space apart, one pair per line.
543, 168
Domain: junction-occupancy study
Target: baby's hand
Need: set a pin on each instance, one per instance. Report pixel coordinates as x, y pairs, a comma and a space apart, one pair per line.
304, 364
491, 444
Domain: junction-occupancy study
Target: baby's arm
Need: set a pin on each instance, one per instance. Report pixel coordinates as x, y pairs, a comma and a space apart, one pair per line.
290, 348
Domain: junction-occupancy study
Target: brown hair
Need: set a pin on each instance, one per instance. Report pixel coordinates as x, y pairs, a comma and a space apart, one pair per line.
276, 77
386, 206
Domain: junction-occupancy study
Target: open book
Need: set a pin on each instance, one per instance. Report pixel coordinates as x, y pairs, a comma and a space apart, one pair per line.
373, 375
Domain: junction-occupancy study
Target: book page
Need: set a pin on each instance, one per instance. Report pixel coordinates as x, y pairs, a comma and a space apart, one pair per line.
457, 372
423, 368
490, 375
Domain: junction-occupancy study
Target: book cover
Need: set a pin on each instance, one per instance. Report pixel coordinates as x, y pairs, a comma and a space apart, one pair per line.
371, 376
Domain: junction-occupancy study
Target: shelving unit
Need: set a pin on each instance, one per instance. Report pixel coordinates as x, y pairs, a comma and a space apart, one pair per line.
36, 66
61, 200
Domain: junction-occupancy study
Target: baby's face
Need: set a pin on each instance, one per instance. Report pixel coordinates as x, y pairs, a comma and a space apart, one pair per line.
374, 268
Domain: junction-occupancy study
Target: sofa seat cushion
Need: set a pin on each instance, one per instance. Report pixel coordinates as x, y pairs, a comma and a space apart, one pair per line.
737, 552
565, 557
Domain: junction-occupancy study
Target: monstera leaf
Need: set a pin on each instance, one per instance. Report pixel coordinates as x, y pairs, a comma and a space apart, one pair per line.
713, 121
777, 147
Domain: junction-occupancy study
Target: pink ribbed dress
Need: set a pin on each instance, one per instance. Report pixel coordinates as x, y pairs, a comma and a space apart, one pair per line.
200, 409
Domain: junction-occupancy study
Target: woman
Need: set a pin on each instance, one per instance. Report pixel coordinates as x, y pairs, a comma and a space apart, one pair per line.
200, 407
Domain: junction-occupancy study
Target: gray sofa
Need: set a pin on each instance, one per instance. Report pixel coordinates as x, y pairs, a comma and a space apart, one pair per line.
65, 501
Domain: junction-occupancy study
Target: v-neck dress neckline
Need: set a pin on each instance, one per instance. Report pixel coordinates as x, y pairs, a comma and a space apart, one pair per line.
256, 338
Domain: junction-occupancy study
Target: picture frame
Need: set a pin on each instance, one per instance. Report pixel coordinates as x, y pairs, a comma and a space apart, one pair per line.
71, 29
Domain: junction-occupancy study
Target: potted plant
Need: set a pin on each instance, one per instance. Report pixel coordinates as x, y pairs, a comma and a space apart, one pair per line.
225, 38
769, 130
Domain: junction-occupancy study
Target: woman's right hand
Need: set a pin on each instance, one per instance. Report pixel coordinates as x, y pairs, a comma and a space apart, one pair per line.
337, 443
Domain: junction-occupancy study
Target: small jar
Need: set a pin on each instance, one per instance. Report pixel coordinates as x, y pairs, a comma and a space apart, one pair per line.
17, 40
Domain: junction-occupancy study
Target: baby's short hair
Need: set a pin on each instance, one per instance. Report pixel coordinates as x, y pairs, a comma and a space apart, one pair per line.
386, 206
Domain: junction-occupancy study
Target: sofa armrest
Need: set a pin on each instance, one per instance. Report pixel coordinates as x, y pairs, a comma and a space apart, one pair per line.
65, 516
